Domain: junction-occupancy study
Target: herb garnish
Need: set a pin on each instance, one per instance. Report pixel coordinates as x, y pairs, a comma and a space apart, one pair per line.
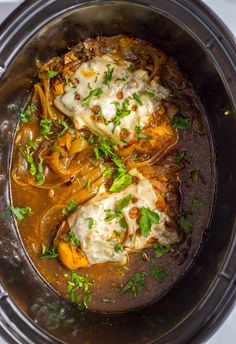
149, 94
71, 237
65, 126
109, 216
131, 68
122, 180
108, 172
120, 205
195, 175
184, 223
161, 250
90, 222
88, 185
39, 175
135, 285
46, 125
108, 75
119, 248
52, 74
48, 252
158, 273
94, 93
71, 206
137, 98
148, 217
180, 122
84, 284
140, 134
122, 110
27, 114
29, 158
20, 212
181, 157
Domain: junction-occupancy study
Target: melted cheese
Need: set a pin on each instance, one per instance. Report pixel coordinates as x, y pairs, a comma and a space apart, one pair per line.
90, 76
100, 241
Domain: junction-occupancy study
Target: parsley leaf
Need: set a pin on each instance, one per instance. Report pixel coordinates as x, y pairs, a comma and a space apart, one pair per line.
71, 237
131, 68
46, 125
158, 273
48, 252
20, 212
122, 110
161, 250
108, 75
184, 223
121, 204
135, 285
148, 217
140, 134
65, 127
149, 94
39, 175
82, 283
121, 182
119, 248
180, 122
94, 93
90, 222
52, 74
137, 98
27, 114
30, 160
108, 172
180, 157
70, 208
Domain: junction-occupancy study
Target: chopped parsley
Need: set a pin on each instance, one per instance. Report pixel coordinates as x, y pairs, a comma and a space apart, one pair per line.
71, 206
20, 212
158, 273
94, 93
196, 175
140, 134
148, 217
124, 78
180, 122
137, 98
121, 182
122, 110
135, 285
39, 175
122, 179
52, 74
82, 283
149, 94
90, 140
109, 215
161, 250
180, 157
108, 172
108, 75
96, 153
48, 252
65, 126
131, 68
71, 237
46, 125
90, 222
30, 160
196, 204
183, 222
88, 184
27, 114
119, 248
121, 204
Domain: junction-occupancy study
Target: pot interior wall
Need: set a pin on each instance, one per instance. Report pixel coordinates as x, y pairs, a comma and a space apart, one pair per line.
25, 287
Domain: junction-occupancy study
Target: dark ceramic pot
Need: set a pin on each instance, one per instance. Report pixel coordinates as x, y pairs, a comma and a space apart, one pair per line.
30, 311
